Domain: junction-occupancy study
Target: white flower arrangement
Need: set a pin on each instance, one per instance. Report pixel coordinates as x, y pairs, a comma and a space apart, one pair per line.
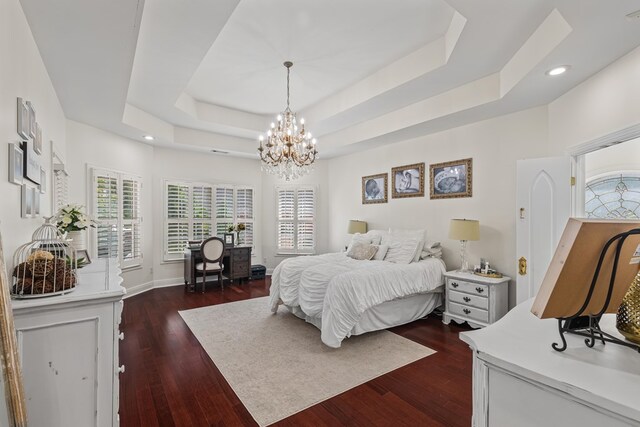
72, 218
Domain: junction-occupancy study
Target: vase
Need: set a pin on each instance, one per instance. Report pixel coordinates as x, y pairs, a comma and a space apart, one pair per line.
78, 240
628, 318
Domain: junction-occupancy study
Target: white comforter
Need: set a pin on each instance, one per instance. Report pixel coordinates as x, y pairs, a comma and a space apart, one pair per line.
339, 289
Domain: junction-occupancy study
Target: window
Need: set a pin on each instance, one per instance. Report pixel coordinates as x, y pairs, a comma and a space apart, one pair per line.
195, 211
116, 209
614, 196
296, 220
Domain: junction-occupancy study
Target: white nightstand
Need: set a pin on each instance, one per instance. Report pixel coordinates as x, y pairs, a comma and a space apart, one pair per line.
474, 299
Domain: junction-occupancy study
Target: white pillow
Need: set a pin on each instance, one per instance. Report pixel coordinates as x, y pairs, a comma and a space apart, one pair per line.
359, 238
362, 251
400, 234
431, 250
382, 252
416, 256
377, 236
403, 251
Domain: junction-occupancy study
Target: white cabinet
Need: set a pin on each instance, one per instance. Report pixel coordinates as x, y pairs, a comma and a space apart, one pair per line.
68, 347
474, 299
518, 380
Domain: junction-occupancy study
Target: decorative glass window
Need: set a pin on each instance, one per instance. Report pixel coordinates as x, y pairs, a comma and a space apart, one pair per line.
615, 196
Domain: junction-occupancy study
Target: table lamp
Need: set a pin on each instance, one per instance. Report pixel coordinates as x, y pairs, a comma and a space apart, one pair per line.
356, 226
464, 230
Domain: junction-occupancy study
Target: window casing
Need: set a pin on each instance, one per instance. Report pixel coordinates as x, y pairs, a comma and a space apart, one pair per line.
116, 207
296, 213
195, 211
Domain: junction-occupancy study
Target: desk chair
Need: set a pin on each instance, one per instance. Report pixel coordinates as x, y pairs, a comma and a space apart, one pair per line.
211, 251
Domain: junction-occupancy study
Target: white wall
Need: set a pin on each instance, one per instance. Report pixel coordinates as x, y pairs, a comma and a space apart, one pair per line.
494, 145
90, 147
621, 157
22, 74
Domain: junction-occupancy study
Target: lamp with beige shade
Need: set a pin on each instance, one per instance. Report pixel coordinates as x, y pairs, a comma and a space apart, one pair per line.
464, 230
357, 226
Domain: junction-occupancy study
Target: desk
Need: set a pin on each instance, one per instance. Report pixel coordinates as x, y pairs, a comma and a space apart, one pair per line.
236, 260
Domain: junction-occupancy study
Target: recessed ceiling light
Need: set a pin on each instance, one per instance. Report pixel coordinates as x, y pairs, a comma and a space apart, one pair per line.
148, 137
558, 70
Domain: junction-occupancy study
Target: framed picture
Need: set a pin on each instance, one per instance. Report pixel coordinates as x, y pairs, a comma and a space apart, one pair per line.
43, 180
37, 141
23, 119
82, 257
374, 189
31, 163
35, 197
408, 181
27, 201
16, 164
229, 239
451, 179
32, 120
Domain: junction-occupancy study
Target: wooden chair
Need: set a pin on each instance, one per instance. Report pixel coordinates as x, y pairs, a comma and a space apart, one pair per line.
211, 251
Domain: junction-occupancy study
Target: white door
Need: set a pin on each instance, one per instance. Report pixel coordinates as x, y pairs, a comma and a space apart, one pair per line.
543, 208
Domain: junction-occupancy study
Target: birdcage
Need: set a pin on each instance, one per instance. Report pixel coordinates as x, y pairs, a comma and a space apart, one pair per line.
45, 266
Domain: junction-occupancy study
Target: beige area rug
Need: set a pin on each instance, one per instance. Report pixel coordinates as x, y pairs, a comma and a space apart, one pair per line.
277, 364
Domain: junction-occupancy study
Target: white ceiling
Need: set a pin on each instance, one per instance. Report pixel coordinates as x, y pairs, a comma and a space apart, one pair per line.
202, 74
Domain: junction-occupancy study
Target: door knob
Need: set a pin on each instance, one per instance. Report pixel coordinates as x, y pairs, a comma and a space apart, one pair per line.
522, 266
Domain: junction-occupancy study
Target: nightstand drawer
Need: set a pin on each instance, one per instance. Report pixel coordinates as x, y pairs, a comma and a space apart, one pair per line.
469, 312
468, 287
468, 299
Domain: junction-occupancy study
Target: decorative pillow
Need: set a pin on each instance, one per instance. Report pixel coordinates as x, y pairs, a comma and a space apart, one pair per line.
380, 254
403, 251
416, 256
362, 251
431, 250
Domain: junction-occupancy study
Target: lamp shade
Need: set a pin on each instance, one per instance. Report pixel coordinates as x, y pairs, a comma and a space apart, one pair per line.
356, 226
464, 229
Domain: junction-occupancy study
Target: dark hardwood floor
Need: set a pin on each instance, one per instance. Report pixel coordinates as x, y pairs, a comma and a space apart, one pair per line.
170, 380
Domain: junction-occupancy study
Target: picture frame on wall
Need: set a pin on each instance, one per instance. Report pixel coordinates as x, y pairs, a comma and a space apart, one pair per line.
37, 141
32, 120
374, 189
31, 162
23, 119
27, 201
450, 180
16, 164
407, 181
229, 239
35, 197
43, 180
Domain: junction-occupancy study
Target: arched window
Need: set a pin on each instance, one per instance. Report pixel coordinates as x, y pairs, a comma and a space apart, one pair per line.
615, 196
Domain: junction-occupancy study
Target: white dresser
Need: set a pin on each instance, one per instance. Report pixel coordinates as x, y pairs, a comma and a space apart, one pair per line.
68, 347
519, 380
474, 299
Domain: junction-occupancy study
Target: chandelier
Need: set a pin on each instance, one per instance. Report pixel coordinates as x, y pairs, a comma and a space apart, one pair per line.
289, 150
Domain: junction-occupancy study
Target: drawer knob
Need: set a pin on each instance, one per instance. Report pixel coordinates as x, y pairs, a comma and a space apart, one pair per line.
121, 336
121, 369
466, 311
479, 290
466, 299
454, 284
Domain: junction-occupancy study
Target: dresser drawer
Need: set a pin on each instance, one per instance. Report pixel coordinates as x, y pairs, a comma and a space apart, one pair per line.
469, 312
468, 287
242, 255
468, 299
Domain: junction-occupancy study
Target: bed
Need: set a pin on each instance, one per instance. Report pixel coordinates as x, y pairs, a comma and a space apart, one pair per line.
343, 296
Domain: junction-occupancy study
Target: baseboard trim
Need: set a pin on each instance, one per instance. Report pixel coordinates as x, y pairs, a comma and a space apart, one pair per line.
144, 287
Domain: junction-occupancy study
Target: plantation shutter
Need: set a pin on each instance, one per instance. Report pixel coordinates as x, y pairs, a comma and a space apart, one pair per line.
131, 222
202, 199
177, 223
244, 214
286, 220
106, 213
60, 187
224, 209
306, 213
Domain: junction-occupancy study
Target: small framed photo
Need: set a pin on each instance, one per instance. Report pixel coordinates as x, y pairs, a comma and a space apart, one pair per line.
408, 181
229, 239
451, 179
31, 163
23, 119
32, 120
16, 163
82, 258
35, 196
43, 180
27, 201
37, 141
374, 189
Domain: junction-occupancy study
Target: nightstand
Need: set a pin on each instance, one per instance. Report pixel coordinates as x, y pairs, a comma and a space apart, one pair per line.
474, 299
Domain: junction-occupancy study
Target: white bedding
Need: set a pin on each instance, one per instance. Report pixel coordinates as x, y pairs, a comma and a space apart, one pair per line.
339, 289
